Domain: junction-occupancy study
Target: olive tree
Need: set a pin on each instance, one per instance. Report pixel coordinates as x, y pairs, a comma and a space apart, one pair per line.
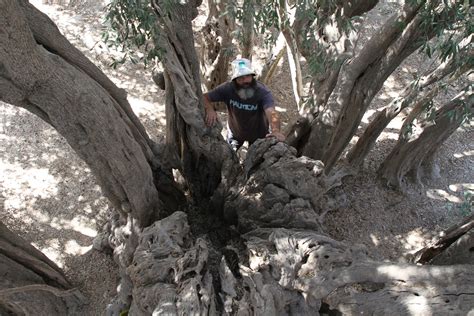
243, 238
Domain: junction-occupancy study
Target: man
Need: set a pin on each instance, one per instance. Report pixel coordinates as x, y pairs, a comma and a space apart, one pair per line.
249, 104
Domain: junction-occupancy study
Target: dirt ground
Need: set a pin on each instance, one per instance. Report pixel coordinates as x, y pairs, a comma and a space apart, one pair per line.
50, 198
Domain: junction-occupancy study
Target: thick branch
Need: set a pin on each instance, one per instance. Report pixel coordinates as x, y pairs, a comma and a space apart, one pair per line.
77, 108
416, 95
358, 7
247, 29
18, 249
410, 152
30, 282
277, 52
292, 51
217, 49
39, 287
47, 34
448, 237
363, 78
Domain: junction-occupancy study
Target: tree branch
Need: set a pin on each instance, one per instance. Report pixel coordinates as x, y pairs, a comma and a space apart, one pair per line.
40, 287
47, 34
416, 95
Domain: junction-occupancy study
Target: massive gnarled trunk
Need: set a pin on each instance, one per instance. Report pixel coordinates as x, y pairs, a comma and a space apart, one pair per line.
283, 264
268, 270
290, 273
203, 156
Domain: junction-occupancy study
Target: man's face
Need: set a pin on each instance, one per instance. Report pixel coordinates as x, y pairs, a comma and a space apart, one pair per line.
245, 86
244, 81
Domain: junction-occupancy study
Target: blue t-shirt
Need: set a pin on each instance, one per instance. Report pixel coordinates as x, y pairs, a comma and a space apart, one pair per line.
247, 119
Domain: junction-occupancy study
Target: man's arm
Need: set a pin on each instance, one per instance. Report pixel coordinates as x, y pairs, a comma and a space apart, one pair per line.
211, 114
274, 119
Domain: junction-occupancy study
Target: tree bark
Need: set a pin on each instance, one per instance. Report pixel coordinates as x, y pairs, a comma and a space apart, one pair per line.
329, 41
75, 97
277, 190
271, 270
416, 94
275, 271
217, 49
409, 154
247, 29
358, 7
292, 50
361, 78
454, 246
274, 58
31, 282
201, 150
47, 34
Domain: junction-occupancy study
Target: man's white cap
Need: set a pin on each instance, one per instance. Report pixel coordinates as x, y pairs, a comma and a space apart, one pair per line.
241, 67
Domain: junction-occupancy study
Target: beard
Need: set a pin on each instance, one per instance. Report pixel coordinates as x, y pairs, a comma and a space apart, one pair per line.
247, 90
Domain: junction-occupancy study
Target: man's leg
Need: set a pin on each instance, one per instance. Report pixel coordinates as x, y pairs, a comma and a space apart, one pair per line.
233, 142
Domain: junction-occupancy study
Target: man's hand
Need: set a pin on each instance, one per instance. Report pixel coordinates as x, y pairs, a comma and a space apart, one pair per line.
211, 117
211, 114
279, 136
274, 119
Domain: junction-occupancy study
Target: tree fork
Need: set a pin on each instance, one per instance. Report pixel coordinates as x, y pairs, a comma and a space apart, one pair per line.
409, 154
396, 45
323, 84
394, 48
413, 95
350, 89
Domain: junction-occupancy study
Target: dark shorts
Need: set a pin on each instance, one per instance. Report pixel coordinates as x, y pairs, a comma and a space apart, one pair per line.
235, 142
